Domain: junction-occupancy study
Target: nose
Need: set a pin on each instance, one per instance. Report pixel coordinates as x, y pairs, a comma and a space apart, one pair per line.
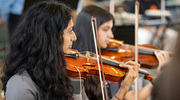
110, 35
74, 38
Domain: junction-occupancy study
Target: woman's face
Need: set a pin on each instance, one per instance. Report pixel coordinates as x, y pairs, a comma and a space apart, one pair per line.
105, 33
69, 36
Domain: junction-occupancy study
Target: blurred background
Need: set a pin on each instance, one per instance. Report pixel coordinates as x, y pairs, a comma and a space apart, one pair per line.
159, 22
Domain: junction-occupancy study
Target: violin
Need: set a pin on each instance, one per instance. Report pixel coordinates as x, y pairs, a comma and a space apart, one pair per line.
119, 51
88, 67
80, 65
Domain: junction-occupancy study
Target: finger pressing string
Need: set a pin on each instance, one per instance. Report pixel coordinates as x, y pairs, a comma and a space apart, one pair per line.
135, 65
129, 67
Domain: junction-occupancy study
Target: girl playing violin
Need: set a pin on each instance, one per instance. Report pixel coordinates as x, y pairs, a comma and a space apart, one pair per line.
35, 66
85, 42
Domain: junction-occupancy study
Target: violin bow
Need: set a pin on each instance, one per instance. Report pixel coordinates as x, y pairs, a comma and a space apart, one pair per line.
94, 28
163, 20
136, 47
111, 7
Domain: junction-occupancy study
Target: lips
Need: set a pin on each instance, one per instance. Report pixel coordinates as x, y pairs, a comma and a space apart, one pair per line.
107, 41
70, 46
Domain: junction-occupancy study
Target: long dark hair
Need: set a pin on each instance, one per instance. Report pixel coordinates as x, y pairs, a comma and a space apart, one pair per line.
85, 42
166, 87
83, 28
37, 47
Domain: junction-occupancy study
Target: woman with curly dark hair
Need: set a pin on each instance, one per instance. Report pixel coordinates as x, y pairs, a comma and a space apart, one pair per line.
35, 67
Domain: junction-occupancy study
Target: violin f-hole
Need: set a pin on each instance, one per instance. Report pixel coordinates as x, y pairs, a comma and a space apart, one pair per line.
126, 57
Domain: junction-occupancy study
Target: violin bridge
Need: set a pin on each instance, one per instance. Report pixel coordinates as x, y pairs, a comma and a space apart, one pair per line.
87, 56
126, 49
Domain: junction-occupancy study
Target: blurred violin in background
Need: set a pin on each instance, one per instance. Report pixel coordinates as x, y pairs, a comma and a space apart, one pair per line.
119, 51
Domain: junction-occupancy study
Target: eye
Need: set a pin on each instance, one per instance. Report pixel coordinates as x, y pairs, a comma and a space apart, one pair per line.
70, 31
105, 29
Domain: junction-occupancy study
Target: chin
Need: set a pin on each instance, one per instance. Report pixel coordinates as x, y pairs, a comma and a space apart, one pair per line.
66, 51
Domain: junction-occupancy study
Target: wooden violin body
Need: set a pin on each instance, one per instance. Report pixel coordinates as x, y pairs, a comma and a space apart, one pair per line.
80, 66
77, 65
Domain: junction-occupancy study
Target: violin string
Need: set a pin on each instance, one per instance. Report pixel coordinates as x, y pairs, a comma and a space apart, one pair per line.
79, 80
107, 59
117, 62
141, 71
145, 48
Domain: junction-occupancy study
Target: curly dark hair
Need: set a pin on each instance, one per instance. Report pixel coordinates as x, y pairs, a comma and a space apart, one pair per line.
37, 47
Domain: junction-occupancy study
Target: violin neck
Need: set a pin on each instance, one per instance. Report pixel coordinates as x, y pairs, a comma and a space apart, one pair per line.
111, 62
142, 50
151, 51
115, 49
116, 64
144, 72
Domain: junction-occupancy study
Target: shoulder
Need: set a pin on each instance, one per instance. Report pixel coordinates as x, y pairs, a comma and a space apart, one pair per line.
21, 87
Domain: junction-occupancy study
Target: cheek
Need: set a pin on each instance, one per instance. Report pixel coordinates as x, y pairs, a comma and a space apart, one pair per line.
102, 40
66, 38
101, 35
65, 42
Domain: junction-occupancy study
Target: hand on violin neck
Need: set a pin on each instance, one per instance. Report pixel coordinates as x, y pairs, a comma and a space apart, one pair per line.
131, 74
163, 58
